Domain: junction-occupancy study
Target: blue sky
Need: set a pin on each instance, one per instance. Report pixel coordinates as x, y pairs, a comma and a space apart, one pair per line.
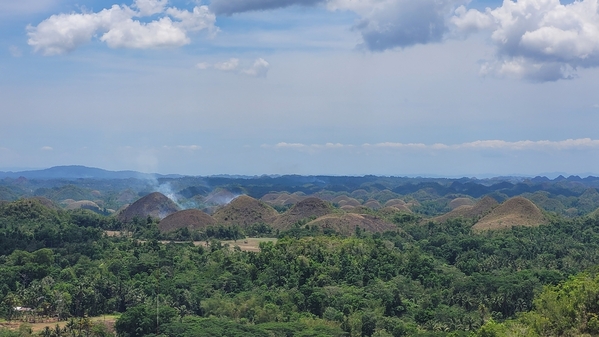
386, 87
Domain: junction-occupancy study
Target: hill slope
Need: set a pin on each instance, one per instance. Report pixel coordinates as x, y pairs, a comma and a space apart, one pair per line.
245, 211
189, 218
156, 205
308, 208
516, 211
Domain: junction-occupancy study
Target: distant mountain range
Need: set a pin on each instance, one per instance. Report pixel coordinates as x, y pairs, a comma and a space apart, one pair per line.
73, 172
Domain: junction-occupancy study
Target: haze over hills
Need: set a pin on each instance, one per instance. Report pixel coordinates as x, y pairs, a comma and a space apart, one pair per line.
108, 191
80, 172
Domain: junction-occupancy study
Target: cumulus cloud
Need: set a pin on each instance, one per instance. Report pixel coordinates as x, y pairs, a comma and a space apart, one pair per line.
538, 40
120, 27
258, 69
384, 24
150, 7
399, 23
230, 65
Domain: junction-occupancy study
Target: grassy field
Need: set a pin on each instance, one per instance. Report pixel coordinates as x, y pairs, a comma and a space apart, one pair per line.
107, 320
247, 244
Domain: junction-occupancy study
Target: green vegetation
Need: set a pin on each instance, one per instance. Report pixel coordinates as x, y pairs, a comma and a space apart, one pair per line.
418, 280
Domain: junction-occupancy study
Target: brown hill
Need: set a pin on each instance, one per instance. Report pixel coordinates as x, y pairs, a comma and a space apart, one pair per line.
156, 205
86, 204
339, 198
349, 202
457, 202
190, 218
516, 211
392, 210
346, 223
220, 197
245, 211
373, 204
308, 208
394, 202
479, 209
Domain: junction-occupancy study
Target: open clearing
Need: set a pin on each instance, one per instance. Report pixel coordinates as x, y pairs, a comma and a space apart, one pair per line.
107, 320
247, 244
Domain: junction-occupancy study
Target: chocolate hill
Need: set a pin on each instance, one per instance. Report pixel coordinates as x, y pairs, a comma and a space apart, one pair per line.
156, 205
308, 208
457, 202
479, 209
189, 218
346, 223
516, 211
245, 211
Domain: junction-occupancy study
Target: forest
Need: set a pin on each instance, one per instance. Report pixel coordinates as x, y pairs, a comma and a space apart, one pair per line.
365, 256
418, 280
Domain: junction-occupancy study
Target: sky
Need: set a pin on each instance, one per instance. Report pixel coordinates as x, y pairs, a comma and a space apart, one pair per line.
339, 87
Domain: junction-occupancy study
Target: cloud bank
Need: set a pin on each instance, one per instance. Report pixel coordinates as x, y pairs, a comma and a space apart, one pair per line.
538, 40
524, 145
258, 69
121, 27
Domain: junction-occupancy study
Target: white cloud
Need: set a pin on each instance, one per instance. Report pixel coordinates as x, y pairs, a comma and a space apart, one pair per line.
229, 65
189, 147
258, 69
134, 34
539, 40
199, 19
150, 7
46, 148
568, 144
117, 27
540, 145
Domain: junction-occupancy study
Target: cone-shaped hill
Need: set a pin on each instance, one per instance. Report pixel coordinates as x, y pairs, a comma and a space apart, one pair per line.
156, 205
457, 202
517, 211
190, 218
308, 208
484, 206
346, 223
245, 211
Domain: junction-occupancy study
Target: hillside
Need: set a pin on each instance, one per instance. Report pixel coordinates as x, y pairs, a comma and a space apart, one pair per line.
516, 211
309, 208
192, 219
346, 224
245, 211
156, 205
475, 211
